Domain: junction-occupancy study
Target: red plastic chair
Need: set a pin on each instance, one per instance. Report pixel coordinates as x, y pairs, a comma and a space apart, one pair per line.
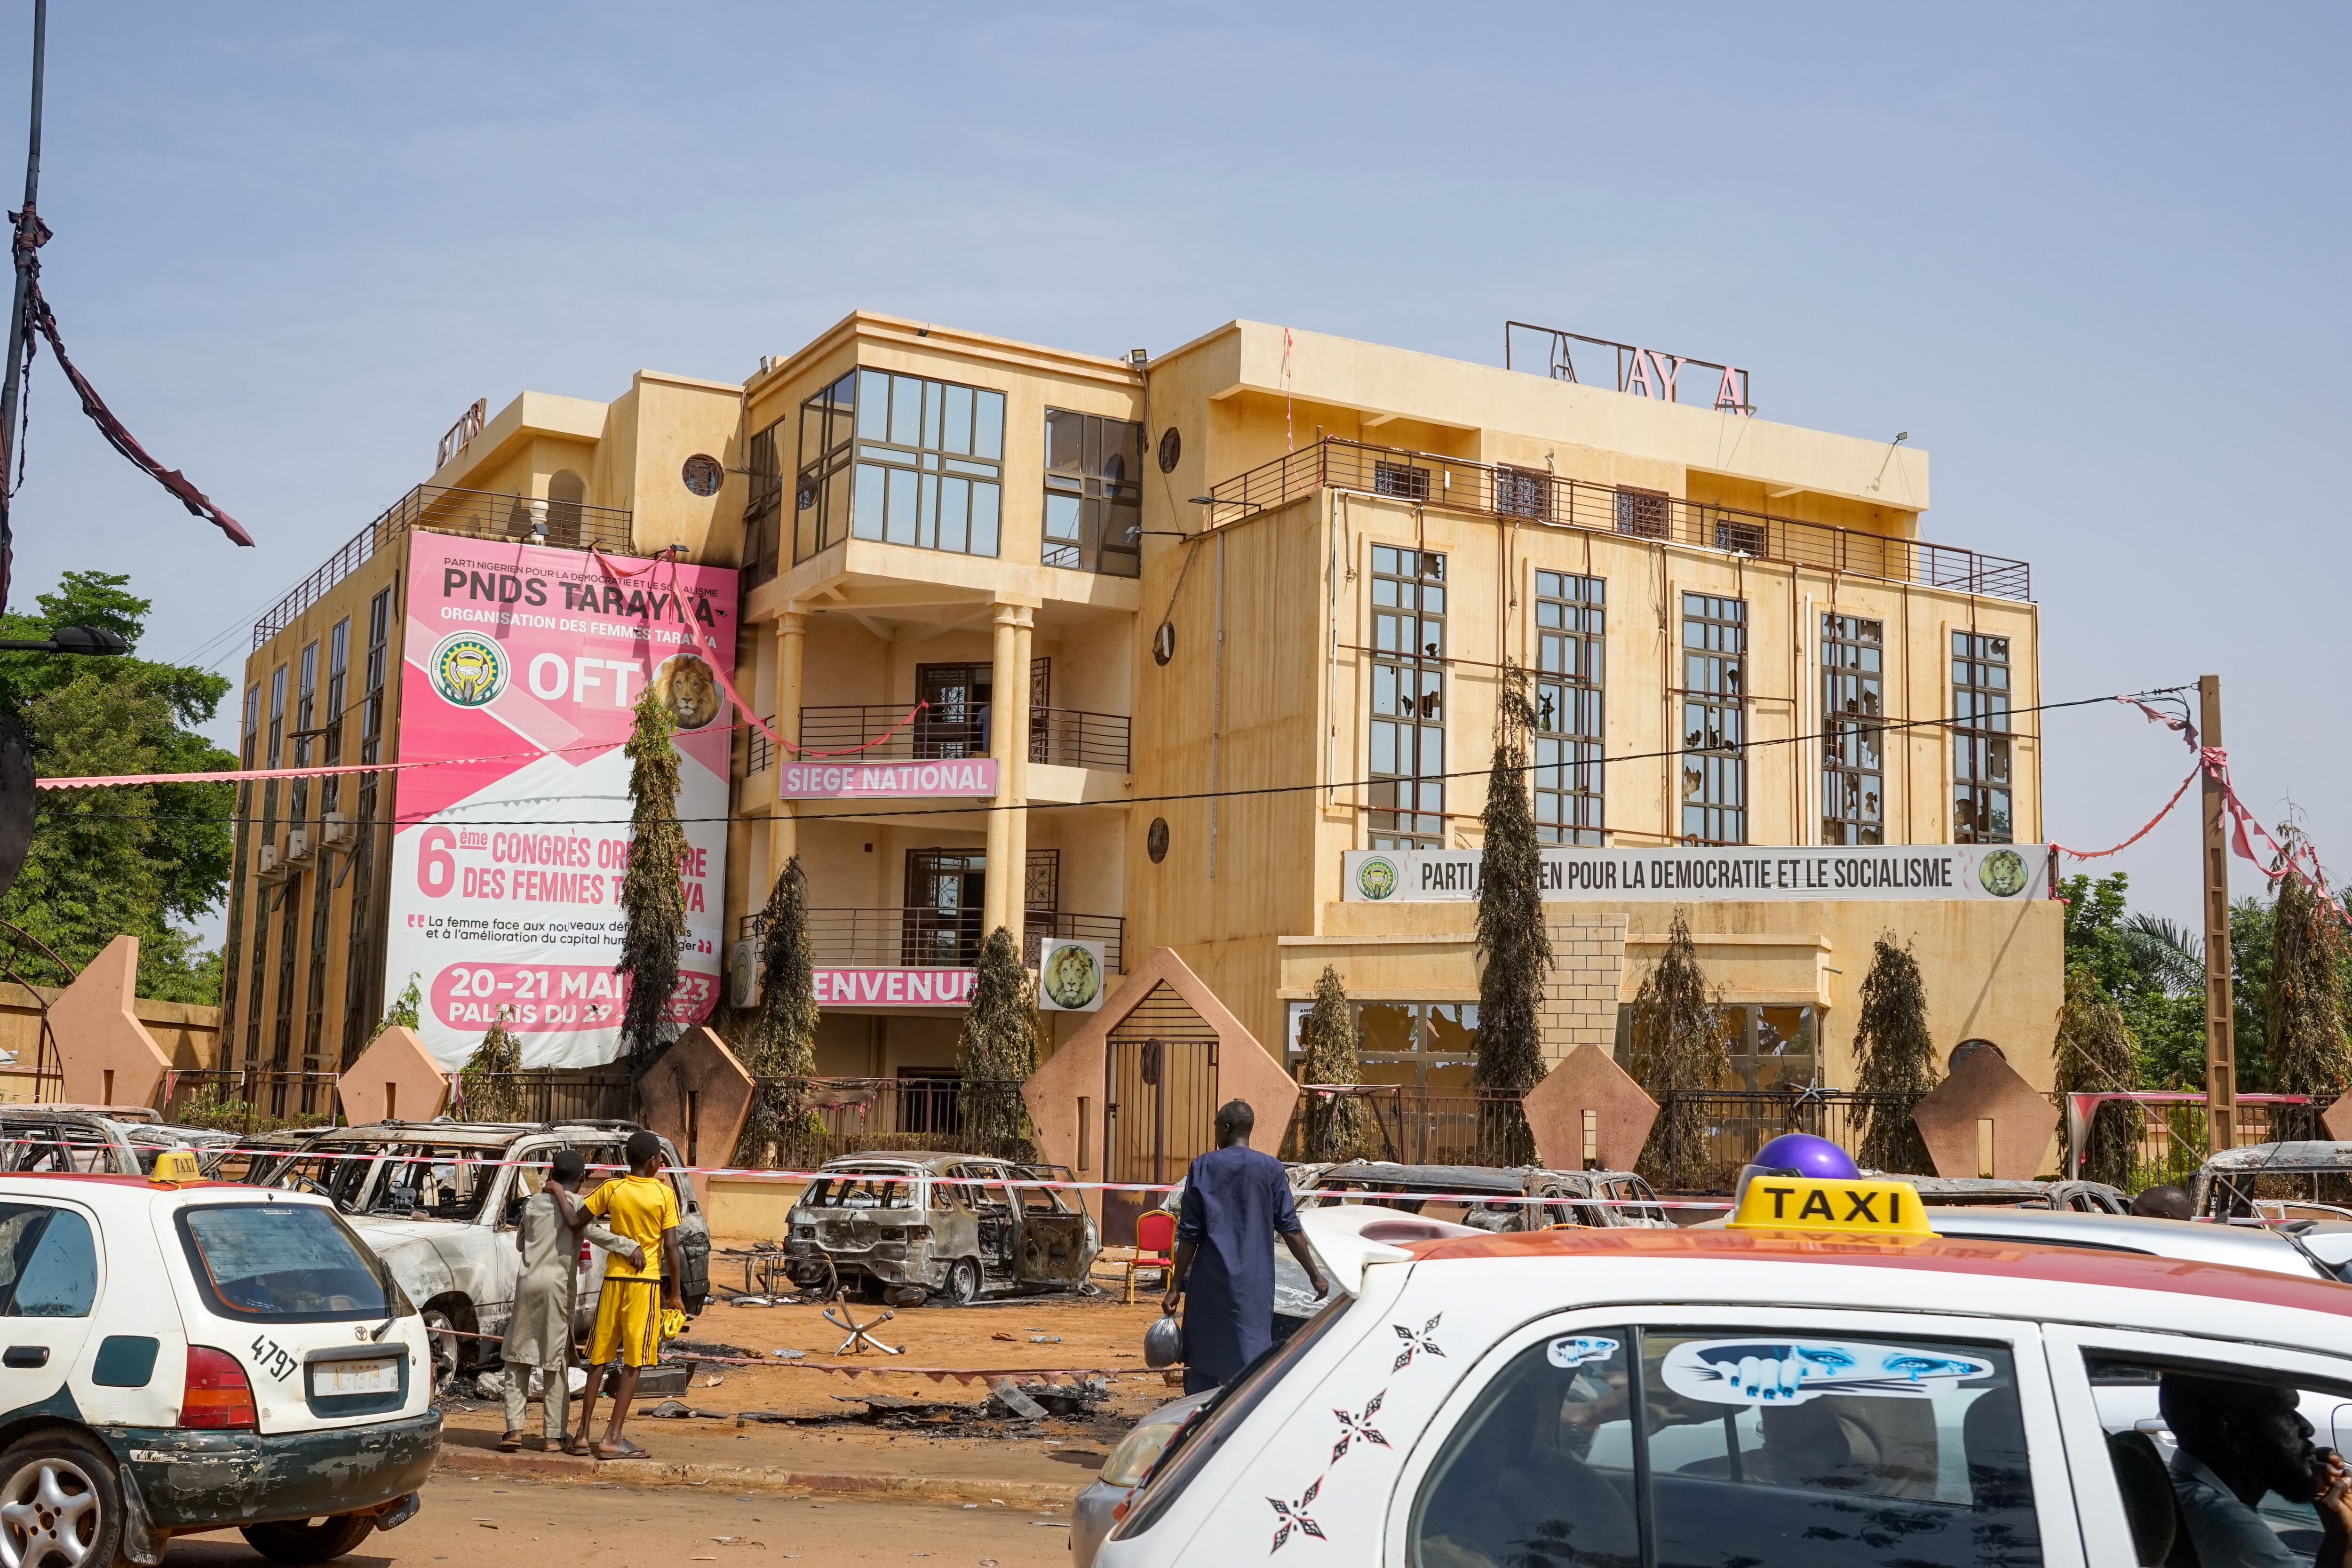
1155, 1246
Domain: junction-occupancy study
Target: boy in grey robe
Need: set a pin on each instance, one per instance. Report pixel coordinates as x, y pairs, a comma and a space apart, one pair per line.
540, 1334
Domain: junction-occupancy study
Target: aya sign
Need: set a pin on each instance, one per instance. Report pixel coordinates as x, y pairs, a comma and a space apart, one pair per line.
893, 987
837, 781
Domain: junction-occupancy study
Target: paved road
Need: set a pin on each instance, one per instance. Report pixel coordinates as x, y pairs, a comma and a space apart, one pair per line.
574, 1525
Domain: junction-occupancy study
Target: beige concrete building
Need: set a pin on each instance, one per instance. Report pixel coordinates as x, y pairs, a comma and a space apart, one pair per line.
1206, 621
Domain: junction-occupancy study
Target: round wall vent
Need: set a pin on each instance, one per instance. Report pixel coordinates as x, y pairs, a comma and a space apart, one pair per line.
702, 474
1155, 841
1171, 447
1163, 643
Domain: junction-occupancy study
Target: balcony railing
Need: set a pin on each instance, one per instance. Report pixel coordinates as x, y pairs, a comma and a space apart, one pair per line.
919, 937
1066, 736
838, 1116
762, 755
1538, 497
479, 514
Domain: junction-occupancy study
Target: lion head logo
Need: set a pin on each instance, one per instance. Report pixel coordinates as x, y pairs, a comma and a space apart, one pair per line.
689, 689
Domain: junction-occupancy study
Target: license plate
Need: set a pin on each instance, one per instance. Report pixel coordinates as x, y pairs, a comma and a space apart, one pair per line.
341, 1377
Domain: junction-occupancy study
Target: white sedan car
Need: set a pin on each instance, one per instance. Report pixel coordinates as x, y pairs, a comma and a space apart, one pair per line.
1833, 1386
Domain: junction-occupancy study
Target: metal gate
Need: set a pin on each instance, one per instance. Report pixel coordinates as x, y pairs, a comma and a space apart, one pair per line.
1160, 1103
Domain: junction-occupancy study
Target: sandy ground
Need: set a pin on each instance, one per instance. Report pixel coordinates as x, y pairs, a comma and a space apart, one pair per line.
827, 1427
604, 1526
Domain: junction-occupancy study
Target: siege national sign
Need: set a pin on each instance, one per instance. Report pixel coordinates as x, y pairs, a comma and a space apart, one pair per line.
521, 666
1910, 872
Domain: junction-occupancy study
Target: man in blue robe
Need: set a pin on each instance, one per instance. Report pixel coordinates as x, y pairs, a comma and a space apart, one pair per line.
1237, 1201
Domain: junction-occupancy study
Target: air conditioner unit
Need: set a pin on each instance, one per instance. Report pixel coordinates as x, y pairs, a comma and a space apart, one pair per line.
297, 847
270, 868
335, 830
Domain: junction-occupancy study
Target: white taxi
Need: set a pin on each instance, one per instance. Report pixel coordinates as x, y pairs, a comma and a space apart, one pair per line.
183, 1356
1831, 1385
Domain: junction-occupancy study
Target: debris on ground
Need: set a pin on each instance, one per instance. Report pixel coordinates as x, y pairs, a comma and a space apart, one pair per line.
1006, 1338
690, 1348
783, 1355
678, 1410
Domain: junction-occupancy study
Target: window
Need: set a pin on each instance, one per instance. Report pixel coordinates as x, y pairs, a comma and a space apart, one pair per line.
60, 1278
1741, 536
339, 661
1094, 501
1853, 786
1641, 513
1402, 481
1568, 778
1523, 492
901, 459
1715, 773
1426, 1044
305, 706
1980, 739
1891, 1449
763, 505
2187, 1439
269, 840
231, 955
1408, 731
940, 923
293, 1262
364, 970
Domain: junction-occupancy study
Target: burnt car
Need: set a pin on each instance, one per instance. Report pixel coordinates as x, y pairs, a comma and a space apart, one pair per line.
1483, 1197
2309, 1178
1992, 1192
956, 1226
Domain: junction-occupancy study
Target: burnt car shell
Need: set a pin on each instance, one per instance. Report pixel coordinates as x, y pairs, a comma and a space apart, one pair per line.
956, 1226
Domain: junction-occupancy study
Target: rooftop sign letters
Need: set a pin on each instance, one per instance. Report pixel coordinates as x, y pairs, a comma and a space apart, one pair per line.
1736, 874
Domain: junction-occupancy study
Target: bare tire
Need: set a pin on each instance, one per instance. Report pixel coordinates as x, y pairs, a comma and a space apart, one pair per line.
60, 1504
308, 1540
446, 1320
962, 1287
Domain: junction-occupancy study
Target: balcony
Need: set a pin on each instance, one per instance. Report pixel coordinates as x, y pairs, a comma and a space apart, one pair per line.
478, 514
1061, 737
1543, 500
920, 937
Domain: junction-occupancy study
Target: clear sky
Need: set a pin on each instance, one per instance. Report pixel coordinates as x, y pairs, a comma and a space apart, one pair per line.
2091, 257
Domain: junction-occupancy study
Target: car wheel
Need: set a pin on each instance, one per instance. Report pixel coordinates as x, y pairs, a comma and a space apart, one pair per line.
445, 1320
60, 1504
308, 1540
962, 1287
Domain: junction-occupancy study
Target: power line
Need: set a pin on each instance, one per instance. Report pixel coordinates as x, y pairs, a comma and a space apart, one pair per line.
440, 817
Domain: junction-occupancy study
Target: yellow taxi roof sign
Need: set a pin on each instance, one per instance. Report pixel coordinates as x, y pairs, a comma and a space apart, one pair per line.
1807, 1202
175, 1166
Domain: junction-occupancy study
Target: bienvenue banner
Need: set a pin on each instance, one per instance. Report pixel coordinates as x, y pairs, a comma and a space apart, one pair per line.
1991, 872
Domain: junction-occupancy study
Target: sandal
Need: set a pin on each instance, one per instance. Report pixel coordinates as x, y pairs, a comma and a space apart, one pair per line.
511, 1442
557, 1446
577, 1446
627, 1450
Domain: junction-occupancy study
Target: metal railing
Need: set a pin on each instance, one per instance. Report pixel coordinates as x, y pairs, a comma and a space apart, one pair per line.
551, 1095
919, 937
479, 514
1065, 737
1540, 499
1410, 1125
255, 1098
1037, 928
825, 1118
2161, 1138
762, 755
1701, 1138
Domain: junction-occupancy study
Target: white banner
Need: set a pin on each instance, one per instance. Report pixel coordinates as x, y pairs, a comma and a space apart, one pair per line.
1721, 875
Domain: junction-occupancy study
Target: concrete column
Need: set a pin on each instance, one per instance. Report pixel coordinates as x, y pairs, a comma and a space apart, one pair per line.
1016, 851
783, 827
1010, 677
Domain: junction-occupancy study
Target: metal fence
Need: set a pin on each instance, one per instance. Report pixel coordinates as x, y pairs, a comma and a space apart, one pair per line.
2161, 1138
1065, 737
1408, 1124
825, 1118
255, 1098
1702, 1137
1539, 498
918, 936
549, 1096
480, 514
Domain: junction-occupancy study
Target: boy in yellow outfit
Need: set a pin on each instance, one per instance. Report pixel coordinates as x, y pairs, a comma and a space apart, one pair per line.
642, 1208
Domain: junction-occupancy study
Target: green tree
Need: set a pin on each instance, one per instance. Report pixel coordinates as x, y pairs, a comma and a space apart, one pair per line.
1897, 1057
2253, 924
1514, 946
2095, 1052
1677, 1046
653, 897
143, 860
2302, 1005
1339, 1127
486, 1082
783, 1039
1000, 1048
404, 1010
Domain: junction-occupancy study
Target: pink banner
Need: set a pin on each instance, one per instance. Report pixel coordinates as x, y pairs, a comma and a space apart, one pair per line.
893, 987
506, 869
964, 776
